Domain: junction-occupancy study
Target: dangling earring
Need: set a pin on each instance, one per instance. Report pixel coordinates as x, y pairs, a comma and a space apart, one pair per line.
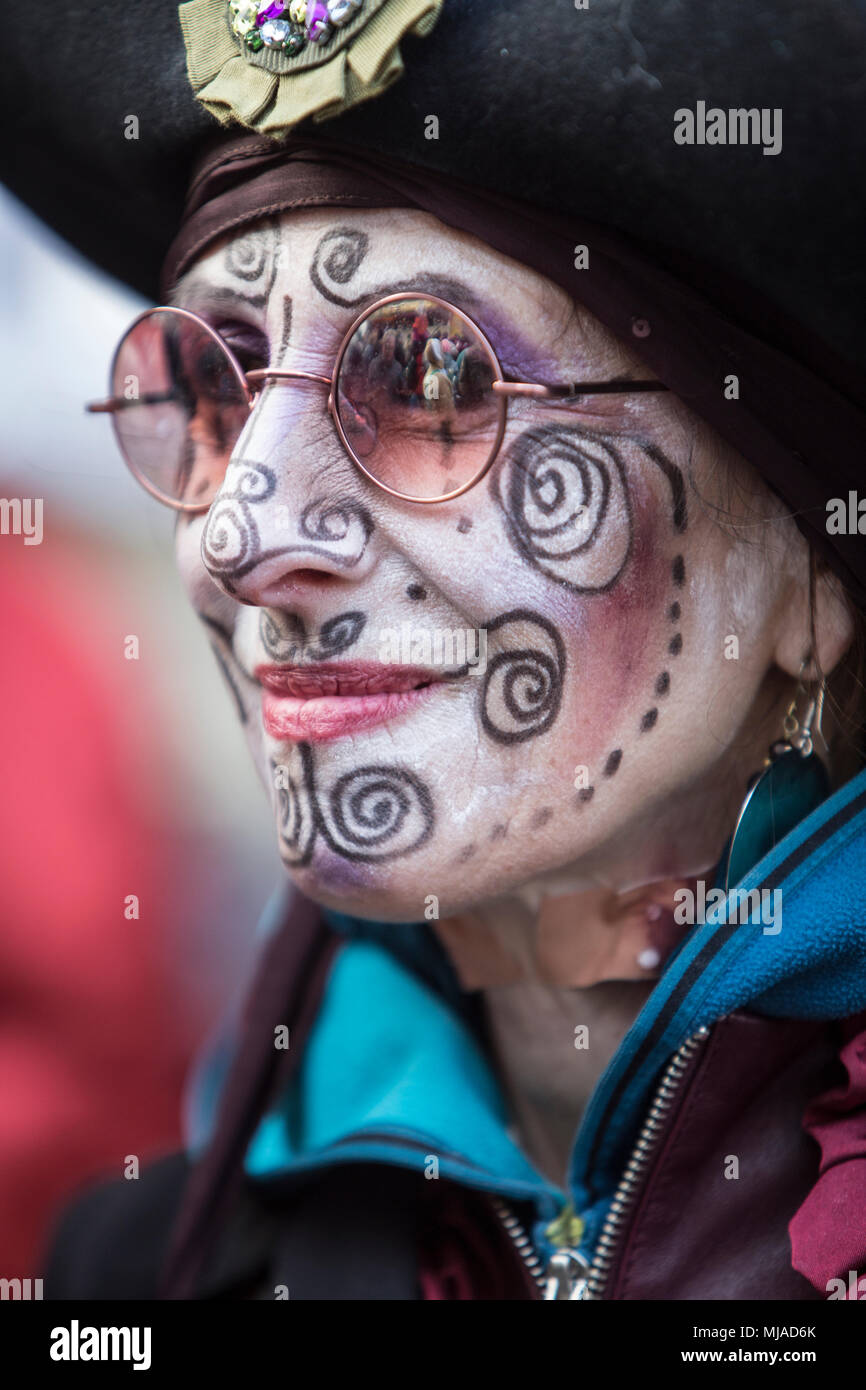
791, 784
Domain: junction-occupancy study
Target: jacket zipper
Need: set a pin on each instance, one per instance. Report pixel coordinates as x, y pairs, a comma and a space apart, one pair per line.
611, 1231
523, 1245
568, 1274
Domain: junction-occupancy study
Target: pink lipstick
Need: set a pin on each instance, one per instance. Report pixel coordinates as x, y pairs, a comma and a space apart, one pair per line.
329, 700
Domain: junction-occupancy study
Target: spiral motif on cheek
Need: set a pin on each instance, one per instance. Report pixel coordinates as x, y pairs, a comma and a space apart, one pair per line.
342, 528
230, 541
377, 813
522, 688
296, 818
336, 260
565, 498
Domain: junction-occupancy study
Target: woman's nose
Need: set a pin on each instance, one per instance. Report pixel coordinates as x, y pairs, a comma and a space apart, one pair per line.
291, 518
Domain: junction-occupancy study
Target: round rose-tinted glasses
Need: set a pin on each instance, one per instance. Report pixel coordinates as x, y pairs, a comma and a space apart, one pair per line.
417, 397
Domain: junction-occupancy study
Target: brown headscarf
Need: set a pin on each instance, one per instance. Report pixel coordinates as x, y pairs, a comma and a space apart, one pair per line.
800, 417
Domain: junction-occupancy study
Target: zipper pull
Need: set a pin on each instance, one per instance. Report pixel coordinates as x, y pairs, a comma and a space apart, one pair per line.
565, 1275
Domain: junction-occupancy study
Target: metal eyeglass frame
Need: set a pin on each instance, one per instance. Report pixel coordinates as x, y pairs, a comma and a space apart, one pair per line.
251, 384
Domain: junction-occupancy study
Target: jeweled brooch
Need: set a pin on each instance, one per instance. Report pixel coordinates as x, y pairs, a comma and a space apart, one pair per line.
289, 24
269, 64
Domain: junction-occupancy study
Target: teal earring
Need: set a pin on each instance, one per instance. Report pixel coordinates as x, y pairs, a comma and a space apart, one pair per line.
791, 784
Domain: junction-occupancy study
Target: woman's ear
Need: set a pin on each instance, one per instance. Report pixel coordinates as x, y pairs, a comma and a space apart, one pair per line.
831, 632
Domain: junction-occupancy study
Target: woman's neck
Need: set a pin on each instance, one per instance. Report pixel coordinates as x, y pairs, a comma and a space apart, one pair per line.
549, 1048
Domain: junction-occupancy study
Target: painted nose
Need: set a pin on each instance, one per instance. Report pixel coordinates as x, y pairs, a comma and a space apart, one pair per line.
291, 517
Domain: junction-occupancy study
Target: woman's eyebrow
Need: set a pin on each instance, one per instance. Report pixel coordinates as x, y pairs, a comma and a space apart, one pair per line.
457, 292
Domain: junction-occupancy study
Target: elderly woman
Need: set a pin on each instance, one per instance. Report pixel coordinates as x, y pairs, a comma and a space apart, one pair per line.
567, 998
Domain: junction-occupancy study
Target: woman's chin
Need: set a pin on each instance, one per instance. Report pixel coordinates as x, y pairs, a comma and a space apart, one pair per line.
373, 890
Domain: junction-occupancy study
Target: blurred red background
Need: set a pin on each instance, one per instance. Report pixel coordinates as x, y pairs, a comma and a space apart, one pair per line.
117, 777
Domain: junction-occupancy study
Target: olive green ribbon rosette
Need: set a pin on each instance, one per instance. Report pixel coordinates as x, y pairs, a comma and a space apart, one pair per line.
270, 90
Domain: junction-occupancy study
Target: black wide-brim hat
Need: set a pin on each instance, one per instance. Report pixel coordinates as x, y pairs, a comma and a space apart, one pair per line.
572, 109
723, 139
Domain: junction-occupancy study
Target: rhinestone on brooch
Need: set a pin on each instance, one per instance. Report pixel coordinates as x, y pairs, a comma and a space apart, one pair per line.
341, 11
275, 32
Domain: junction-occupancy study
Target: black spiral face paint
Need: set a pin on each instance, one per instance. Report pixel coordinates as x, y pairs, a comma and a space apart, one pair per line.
231, 546
284, 636
567, 506
522, 688
340, 254
340, 528
336, 261
371, 813
252, 258
231, 543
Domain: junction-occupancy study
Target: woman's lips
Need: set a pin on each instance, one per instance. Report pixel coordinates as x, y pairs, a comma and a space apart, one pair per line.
331, 699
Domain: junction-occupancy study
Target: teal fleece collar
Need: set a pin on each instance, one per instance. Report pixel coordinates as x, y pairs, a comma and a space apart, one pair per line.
390, 1073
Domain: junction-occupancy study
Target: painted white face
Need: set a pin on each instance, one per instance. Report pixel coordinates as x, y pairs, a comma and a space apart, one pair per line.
599, 698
